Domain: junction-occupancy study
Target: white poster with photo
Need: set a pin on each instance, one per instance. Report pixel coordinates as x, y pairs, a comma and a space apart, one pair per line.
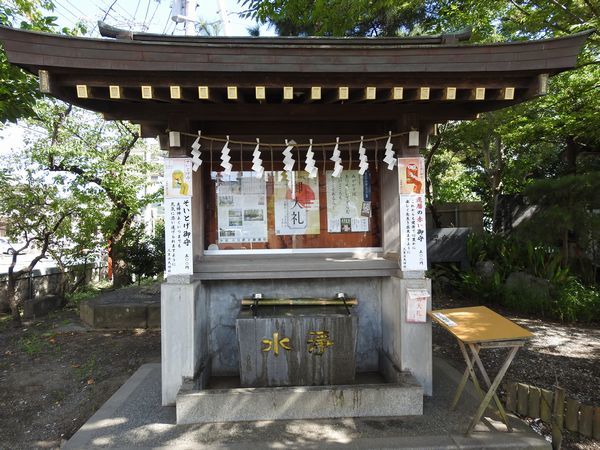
178, 177
348, 202
178, 236
297, 204
241, 208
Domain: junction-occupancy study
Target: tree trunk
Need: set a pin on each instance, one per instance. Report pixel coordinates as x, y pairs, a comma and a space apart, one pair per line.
13, 300
571, 153
121, 275
435, 217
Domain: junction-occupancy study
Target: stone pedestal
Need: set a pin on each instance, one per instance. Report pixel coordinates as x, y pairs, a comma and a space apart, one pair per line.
297, 346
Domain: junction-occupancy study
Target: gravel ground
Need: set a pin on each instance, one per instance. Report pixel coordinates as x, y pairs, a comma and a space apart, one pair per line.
561, 354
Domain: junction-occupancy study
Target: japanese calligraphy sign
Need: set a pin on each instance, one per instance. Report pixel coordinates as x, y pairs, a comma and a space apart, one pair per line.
178, 236
178, 177
241, 207
297, 204
178, 216
348, 202
413, 242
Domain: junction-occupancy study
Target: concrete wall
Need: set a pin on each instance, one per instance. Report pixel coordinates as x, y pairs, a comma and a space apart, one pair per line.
225, 297
407, 345
184, 335
48, 282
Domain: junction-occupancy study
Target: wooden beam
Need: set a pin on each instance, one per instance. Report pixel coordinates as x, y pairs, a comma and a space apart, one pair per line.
507, 93
339, 94
288, 93
343, 93
232, 93
315, 93
44, 81
260, 93
82, 91
370, 93
146, 92
542, 84
397, 93
449, 93
175, 92
114, 91
203, 93
479, 94
249, 112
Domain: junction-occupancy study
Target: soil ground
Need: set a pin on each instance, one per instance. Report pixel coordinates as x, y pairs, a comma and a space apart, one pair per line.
55, 373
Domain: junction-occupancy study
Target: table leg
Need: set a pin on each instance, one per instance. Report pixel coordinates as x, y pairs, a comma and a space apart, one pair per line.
475, 351
492, 389
468, 371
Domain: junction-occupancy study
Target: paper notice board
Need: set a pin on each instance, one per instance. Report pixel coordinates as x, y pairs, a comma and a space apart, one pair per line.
348, 202
241, 208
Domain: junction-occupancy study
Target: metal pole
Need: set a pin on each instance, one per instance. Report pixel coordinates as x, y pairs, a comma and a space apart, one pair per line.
224, 18
189, 12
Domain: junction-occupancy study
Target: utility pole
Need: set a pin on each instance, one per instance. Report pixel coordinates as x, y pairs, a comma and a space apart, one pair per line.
224, 17
185, 11
190, 13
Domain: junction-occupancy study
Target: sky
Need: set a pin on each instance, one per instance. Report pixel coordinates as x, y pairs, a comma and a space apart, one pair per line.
152, 16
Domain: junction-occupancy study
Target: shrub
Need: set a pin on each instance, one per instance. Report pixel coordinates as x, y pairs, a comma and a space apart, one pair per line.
523, 276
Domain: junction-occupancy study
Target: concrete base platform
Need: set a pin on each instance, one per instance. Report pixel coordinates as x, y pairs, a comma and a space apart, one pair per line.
133, 418
123, 309
300, 402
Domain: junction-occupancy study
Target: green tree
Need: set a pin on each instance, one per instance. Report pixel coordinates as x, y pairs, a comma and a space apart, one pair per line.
38, 215
339, 17
567, 212
105, 161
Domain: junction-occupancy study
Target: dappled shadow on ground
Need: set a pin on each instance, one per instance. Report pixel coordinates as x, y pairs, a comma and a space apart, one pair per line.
148, 424
567, 354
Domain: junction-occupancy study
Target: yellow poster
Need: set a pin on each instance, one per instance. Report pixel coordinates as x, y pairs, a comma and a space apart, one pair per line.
296, 204
178, 177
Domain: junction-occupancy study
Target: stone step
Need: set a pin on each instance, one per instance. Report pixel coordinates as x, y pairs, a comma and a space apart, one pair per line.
299, 402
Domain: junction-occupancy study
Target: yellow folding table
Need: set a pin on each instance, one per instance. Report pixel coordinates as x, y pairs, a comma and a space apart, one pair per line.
479, 327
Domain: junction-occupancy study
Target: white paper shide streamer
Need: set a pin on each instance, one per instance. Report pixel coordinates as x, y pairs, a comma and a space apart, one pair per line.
390, 154
288, 160
196, 161
338, 167
309, 164
362, 157
257, 166
225, 158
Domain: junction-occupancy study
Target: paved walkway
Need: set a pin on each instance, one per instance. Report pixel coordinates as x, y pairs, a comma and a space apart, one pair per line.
133, 418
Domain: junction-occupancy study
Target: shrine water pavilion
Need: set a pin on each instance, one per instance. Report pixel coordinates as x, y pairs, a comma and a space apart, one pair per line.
294, 200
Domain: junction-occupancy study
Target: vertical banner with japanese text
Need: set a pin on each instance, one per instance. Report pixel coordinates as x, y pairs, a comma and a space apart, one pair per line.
413, 242
178, 217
